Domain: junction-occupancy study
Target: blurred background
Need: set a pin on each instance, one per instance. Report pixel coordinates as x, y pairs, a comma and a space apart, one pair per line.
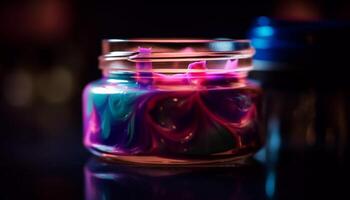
49, 50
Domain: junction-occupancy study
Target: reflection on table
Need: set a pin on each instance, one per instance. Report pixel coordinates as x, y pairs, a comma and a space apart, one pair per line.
106, 181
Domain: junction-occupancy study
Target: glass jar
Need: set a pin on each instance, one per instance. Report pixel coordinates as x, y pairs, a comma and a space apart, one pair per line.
168, 102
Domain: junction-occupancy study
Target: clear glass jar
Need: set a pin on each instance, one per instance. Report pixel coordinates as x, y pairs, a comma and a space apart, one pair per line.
173, 102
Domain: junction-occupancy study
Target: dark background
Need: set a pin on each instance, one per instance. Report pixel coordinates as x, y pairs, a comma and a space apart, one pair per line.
49, 50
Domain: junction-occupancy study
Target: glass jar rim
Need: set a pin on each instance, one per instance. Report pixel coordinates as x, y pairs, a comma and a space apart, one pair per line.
167, 50
174, 56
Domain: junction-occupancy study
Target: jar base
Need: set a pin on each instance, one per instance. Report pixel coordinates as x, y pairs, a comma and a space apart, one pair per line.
158, 161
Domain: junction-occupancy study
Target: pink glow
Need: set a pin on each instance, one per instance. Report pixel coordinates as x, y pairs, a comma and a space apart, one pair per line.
93, 125
231, 64
196, 72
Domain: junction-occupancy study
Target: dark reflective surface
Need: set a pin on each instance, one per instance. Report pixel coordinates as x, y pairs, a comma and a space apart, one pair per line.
112, 181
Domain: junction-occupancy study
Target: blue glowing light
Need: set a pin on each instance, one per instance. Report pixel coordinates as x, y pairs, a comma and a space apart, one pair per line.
270, 184
263, 36
260, 43
269, 154
263, 21
275, 138
264, 31
261, 155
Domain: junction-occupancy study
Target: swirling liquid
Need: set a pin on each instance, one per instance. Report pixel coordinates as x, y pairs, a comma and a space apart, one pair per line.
139, 121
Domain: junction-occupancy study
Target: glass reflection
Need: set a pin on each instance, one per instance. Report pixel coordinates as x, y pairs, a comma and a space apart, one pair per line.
105, 181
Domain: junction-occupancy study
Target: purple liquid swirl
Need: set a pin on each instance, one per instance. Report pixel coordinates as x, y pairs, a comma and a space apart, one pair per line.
189, 116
